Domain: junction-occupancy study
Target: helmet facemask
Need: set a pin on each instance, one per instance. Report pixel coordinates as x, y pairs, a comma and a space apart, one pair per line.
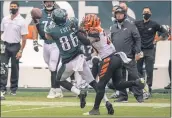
49, 5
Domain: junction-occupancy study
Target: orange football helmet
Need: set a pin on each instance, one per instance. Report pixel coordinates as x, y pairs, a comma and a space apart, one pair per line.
91, 20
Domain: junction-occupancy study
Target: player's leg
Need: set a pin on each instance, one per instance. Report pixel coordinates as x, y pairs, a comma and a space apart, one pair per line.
95, 67
105, 99
54, 61
46, 56
133, 75
105, 75
65, 71
122, 84
123, 93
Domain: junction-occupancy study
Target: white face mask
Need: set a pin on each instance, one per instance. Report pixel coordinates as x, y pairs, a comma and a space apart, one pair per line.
49, 7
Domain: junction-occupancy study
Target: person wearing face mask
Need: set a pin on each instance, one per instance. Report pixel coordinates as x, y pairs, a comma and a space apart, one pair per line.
147, 29
14, 30
126, 38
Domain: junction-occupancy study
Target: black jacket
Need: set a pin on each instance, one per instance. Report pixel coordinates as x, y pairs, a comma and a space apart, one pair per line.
127, 39
147, 32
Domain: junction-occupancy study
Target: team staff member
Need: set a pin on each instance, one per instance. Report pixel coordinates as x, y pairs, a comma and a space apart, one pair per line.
125, 7
147, 29
14, 30
126, 38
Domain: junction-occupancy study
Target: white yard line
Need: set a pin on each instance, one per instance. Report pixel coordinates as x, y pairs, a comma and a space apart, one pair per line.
68, 104
29, 109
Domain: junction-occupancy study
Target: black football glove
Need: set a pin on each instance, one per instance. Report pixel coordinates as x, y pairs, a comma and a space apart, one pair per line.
35, 45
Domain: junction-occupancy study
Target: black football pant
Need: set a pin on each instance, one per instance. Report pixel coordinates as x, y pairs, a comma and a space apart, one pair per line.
131, 69
111, 67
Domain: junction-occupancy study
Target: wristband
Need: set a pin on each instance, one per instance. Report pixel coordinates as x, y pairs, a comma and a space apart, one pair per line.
20, 51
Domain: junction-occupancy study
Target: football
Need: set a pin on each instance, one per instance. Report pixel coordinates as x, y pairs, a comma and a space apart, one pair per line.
36, 13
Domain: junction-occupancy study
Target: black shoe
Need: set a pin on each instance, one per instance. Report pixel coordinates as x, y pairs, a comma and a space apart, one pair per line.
168, 87
140, 83
122, 99
82, 97
109, 107
93, 112
139, 99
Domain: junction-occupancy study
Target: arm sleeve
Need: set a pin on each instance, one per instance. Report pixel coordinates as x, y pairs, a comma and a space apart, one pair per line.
137, 39
163, 32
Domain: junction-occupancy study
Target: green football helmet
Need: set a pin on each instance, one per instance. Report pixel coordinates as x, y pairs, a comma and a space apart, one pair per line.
59, 16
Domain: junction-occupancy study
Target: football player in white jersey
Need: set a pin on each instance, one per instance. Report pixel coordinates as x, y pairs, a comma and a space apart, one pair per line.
111, 64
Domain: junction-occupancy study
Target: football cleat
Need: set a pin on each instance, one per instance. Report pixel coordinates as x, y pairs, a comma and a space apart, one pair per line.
92, 112
109, 107
55, 93
82, 97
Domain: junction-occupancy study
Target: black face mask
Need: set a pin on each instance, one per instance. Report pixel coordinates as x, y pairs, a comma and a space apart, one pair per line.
13, 11
146, 16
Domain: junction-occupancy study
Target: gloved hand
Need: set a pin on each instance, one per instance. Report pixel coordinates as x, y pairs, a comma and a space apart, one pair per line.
36, 21
35, 45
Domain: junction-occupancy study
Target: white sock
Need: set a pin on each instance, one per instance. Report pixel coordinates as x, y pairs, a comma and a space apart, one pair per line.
75, 90
105, 98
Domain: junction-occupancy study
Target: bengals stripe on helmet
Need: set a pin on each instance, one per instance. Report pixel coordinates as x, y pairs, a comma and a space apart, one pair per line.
91, 20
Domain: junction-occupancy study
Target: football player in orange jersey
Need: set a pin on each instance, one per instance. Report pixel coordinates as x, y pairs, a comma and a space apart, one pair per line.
111, 63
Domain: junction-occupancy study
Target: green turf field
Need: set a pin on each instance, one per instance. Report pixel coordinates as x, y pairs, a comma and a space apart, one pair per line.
28, 103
